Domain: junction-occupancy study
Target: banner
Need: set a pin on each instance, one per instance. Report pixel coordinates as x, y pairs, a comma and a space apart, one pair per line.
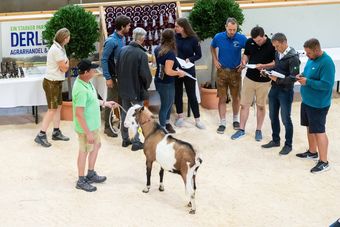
22, 40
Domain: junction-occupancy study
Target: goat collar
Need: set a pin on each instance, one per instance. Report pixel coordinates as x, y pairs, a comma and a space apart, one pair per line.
146, 121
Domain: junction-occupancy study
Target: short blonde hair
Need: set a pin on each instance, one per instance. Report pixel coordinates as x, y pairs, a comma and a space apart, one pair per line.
61, 35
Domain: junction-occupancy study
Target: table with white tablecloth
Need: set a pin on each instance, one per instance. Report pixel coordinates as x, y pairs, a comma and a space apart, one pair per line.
26, 91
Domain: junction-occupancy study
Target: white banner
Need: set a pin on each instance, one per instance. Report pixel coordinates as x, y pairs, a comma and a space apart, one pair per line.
23, 39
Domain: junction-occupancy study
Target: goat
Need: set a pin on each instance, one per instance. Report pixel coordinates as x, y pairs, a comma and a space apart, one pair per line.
172, 154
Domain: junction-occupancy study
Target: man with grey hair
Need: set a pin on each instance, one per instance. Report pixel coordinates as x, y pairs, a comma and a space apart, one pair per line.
134, 78
281, 93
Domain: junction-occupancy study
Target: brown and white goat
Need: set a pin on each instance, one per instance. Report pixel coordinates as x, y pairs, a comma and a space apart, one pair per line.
172, 154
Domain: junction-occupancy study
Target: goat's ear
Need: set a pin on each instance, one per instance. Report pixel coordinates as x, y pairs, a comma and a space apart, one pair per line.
142, 109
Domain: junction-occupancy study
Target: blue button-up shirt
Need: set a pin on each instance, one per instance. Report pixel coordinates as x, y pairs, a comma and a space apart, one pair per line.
114, 43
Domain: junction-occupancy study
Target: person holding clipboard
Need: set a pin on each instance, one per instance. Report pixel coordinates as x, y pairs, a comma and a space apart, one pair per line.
188, 49
281, 93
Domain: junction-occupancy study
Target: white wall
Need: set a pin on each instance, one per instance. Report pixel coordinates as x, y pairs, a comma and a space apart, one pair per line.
299, 23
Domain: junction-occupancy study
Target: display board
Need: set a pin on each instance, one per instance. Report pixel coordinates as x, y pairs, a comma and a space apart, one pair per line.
22, 40
154, 18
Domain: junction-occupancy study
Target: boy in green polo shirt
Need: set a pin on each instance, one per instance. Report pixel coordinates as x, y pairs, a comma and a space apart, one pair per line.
86, 115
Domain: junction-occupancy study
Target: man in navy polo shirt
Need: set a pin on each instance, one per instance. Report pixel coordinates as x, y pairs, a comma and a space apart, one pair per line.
227, 63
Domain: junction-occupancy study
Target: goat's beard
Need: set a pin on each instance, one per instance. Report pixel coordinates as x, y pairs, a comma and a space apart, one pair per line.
133, 130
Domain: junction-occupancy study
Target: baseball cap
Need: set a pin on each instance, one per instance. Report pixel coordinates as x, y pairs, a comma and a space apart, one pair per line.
85, 65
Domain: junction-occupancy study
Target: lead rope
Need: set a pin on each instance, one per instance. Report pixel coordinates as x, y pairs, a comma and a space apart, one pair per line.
115, 122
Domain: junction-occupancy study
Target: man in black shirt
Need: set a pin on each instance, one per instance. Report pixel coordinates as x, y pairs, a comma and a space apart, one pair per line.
259, 54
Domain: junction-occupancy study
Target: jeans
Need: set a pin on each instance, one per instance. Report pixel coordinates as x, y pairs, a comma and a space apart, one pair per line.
281, 100
126, 104
167, 95
190, 87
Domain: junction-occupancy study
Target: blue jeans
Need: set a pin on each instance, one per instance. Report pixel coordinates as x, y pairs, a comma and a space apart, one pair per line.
167, 95
281, 100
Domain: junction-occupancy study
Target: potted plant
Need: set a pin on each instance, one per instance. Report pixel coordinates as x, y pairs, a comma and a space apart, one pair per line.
208, 18
84, 30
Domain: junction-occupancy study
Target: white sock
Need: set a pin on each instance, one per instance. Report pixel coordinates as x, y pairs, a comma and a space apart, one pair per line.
223, 122
235, 118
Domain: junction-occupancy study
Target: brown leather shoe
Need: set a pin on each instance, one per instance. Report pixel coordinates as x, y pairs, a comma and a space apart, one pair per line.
169, 128
109, 133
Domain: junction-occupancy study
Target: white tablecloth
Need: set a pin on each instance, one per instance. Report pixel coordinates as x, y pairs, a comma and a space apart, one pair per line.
334, 53
22, 92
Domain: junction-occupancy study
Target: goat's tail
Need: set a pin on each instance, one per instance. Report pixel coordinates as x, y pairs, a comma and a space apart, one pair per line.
198, 160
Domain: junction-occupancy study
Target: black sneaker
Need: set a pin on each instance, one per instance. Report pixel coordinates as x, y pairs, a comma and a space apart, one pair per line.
320, 167
236, 125
109, 133
57, 135
285, 150
169, 128
220, 129
95, 178
42, 140
126, 143
308, 155
271, 144
86, 186
137, 146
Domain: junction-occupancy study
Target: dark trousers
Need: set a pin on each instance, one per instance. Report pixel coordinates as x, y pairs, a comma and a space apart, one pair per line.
126, 104
280, 101
112, 95
190, 88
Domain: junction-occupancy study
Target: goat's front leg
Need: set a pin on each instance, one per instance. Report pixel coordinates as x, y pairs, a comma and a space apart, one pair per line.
148, 176
161, 174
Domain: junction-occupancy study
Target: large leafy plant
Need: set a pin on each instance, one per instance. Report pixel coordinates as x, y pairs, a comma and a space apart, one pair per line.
82, 25
84, 33
208, 17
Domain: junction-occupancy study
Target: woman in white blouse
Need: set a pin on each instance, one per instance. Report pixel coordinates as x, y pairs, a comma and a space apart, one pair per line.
57, 65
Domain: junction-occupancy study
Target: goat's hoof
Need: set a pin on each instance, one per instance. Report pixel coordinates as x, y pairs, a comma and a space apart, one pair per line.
192, 211
145, 190
189, 204
161, 188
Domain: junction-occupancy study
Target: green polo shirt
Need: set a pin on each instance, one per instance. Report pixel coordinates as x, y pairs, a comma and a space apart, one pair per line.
85, 95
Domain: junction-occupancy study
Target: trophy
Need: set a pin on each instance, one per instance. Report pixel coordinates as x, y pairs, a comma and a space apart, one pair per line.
3, 69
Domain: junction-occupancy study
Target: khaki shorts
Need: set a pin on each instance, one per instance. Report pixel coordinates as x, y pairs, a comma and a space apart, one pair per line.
53, 93
228, 79
83, 145
253, 89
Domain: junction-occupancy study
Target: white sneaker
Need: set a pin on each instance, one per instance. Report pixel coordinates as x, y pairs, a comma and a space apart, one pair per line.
200, 125
179, 122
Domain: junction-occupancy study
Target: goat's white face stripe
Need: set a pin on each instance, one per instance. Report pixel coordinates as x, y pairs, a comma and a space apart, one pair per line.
130, 121
165, 154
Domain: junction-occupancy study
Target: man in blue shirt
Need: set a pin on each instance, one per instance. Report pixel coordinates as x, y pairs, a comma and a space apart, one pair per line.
112, 46
317, 81
227, 63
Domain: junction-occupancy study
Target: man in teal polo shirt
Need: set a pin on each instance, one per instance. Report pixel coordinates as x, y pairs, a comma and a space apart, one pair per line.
317, 81
227, 63
86, 115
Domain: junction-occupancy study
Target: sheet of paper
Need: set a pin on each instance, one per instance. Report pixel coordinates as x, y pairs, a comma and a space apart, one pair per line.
184, 64
277, 74
251, 66
190, 76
